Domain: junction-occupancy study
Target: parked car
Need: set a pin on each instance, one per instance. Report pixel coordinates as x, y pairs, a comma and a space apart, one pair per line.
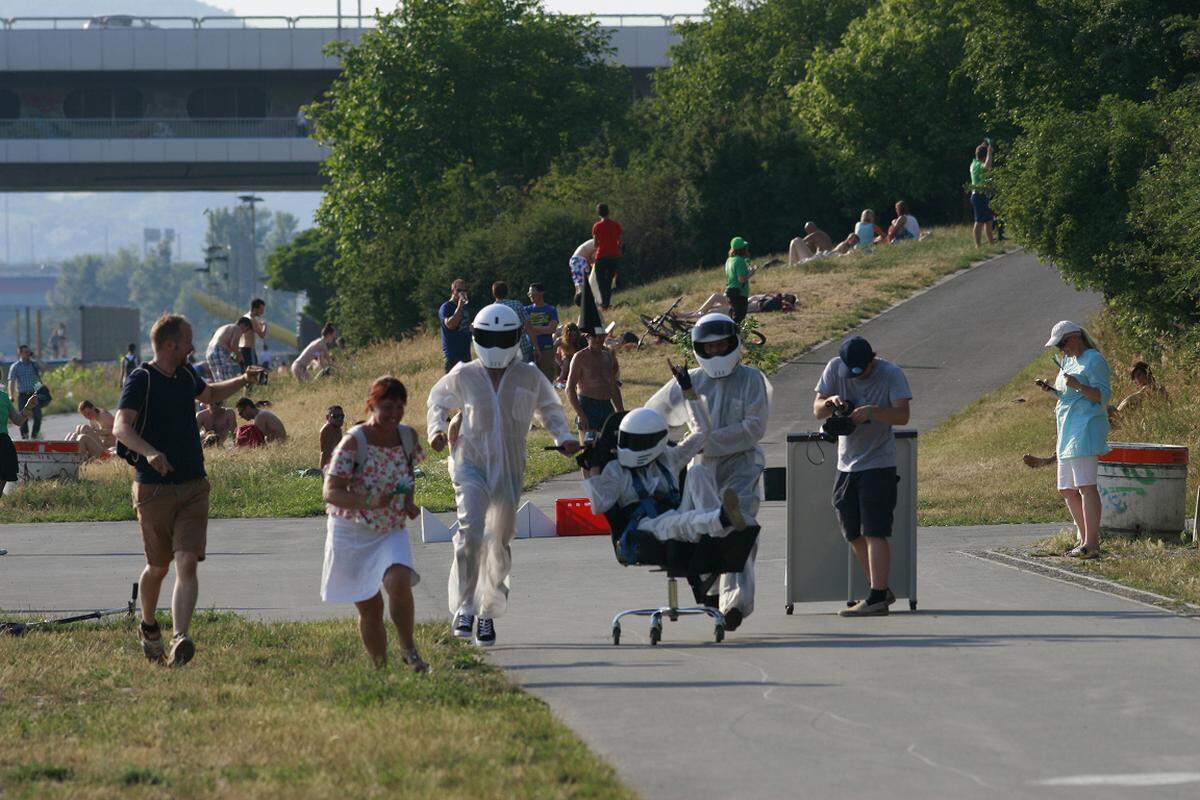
118, 21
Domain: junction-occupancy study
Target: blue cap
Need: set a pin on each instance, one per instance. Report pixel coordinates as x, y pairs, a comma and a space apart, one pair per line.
856, 355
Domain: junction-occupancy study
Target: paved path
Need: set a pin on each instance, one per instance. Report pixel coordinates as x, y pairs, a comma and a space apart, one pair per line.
1005, 684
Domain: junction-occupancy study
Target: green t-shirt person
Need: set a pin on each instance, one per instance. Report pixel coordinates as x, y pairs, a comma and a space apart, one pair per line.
737, 270
977, 179
6, 408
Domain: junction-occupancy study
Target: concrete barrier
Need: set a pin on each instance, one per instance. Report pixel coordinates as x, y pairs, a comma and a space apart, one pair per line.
1143, 488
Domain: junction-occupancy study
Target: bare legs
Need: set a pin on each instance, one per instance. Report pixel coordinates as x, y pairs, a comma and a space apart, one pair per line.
183, 599
1084, 505
874, 555
397, 583
978, 229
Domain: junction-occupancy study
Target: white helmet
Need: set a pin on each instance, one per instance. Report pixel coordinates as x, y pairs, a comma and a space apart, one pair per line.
497, 334
717, 328
641, 437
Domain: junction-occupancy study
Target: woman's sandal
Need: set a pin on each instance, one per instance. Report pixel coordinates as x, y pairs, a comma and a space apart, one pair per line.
1083, 553
413, 659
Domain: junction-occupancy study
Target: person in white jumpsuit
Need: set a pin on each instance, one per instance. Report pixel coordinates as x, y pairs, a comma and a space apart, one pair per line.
739, 403
498, 395
642, 450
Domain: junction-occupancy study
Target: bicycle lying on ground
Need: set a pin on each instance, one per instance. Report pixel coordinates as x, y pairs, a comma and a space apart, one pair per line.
664, 327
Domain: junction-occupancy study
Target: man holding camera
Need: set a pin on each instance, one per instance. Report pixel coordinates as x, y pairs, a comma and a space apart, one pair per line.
863, 396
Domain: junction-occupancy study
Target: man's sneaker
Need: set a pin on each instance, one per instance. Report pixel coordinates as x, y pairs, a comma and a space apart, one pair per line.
864, 609
731, 511
182, 650
463, 626
485, 634
413, 659
3, 552
152, 648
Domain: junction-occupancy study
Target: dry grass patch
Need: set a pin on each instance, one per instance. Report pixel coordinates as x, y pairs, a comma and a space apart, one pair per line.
1166, 567
834, 295
276, 710
970, 468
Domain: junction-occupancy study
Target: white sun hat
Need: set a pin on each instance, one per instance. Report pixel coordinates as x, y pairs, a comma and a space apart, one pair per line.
1061, 330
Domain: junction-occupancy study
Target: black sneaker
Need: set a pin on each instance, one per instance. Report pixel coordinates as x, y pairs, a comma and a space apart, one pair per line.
485, 634
462, 626
733, 619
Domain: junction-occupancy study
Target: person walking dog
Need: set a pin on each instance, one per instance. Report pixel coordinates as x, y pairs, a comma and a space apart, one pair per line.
156, 426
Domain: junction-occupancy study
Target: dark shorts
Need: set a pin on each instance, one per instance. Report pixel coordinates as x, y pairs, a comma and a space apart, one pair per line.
865, 502
9, 469
596, 411
249, 358
982, 207
448, 362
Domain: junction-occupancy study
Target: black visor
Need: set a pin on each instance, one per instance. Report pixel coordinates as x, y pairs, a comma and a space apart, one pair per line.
705, 349
486, 338
639, 441
714, 330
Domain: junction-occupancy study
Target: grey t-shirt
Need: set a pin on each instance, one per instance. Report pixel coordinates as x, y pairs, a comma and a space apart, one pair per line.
872, 445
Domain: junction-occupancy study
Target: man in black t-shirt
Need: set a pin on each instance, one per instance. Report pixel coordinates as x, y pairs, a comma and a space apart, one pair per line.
156, 419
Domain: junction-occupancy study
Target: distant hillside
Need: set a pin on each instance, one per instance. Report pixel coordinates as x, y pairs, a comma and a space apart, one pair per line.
94, 8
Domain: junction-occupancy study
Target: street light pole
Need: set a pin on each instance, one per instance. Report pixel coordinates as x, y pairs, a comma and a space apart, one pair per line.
248, 290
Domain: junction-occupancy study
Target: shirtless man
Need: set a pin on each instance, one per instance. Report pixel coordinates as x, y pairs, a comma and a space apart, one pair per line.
258, 326
222, 352
96, 435
266, 421
216, 423
581, 261
316, 350
593, 387
331, 433
813, 242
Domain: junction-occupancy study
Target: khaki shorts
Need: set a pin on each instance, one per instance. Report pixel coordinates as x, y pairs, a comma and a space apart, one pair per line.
172, 517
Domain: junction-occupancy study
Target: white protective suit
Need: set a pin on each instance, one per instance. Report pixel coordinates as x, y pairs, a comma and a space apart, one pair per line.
487, 468
699, 511
739, 405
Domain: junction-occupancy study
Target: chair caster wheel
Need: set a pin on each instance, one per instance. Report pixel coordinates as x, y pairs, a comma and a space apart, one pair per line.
788, 609
719, 633
655, 634
616, 634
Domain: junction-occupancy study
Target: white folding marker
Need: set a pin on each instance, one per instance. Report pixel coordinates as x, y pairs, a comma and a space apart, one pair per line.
533, 524
434, 530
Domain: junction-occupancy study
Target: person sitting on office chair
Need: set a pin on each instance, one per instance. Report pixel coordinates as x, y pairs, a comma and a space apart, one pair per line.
644, 481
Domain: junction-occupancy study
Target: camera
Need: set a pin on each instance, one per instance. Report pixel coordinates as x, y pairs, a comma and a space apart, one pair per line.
840, 423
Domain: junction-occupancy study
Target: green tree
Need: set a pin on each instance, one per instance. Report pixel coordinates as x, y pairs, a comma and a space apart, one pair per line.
721, 121
892, 112
498, 87
301, 265
1031, 55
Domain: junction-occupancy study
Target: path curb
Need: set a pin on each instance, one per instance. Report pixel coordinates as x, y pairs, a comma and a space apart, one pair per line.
1085, 581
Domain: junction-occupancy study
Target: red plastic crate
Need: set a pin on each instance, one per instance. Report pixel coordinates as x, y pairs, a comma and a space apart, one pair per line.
573, 517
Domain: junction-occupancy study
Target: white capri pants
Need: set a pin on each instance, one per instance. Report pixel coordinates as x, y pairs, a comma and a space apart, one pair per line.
1074, 473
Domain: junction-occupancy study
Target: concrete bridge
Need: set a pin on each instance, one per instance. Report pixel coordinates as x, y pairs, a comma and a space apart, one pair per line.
178, 103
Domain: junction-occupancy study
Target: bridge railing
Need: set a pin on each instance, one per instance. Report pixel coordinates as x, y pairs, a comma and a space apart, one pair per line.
240, 22
177, 128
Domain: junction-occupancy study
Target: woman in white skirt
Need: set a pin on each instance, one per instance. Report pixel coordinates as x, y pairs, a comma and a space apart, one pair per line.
369, 497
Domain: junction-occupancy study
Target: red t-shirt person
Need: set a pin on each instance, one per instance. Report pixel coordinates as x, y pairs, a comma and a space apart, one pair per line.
607, 234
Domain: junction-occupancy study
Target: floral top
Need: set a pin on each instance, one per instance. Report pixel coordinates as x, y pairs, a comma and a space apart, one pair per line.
384, 468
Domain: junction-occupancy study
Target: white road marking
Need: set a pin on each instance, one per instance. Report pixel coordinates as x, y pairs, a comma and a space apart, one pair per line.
1130, 779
